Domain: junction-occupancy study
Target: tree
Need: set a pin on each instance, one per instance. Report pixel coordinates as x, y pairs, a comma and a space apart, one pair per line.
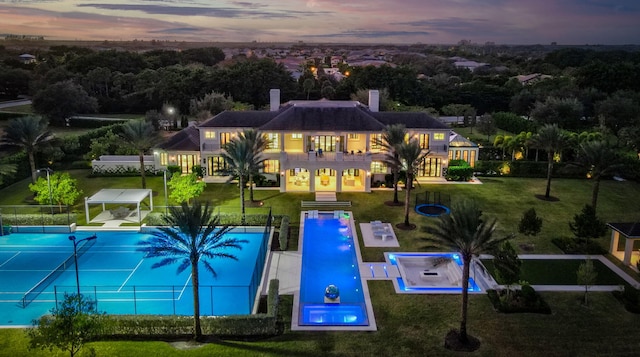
618, 111
486, 126
551, 139
600, 160
258, 143
64, 190
185, 187
208, 56
62, 100
465, 231
308, 85
411, 155
530, 224
30, 134
6, 170
69, 326
587, 276
565, 112
392, 137
212, 103
237, 155
507, 265
586, 224
193, 236
142, 136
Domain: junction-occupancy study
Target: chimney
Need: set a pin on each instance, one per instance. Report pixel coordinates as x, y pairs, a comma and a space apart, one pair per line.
274, 101
374, 100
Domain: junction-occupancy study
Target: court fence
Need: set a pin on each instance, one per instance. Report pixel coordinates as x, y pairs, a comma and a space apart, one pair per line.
41, 218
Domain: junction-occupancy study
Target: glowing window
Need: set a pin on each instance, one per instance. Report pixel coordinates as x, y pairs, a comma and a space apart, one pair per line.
209, 134
438, 136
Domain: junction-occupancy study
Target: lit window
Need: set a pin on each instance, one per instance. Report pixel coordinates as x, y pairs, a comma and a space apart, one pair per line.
163, 159
209, 134
438, 136
271, 166
376, 141
354, 136
424, 141
225, 138
378, 167
296, 136
274, 142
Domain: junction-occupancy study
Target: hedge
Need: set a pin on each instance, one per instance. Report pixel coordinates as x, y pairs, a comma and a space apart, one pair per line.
157, 326
32, 219
521, 168
232, 219
459, 173
283, 238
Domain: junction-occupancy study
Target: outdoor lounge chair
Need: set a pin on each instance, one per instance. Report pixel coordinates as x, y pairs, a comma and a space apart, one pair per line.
120, 212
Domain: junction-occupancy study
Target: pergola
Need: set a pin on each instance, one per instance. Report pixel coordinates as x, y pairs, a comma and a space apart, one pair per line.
631, 232
119, 196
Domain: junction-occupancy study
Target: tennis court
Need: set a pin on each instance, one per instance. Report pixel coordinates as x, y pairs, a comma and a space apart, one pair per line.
37, 269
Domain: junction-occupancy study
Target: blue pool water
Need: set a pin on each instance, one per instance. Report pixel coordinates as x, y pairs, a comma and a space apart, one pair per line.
121, 279
329, 257
473, 287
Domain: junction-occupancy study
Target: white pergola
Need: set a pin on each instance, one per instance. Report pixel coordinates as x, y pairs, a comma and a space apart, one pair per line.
119, 196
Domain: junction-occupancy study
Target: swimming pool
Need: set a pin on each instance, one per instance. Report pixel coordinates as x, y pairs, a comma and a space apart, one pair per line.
120, 279
329, 258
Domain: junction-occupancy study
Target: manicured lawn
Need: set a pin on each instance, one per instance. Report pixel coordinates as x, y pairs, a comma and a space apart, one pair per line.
560, 272
415, 325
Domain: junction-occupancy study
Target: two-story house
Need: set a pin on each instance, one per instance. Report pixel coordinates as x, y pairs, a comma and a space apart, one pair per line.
321, 145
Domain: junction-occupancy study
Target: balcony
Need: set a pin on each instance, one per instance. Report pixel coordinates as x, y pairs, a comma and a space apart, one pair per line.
326, 157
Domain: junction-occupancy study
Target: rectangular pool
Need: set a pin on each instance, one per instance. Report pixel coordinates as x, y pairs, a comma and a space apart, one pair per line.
329, 258
120, 278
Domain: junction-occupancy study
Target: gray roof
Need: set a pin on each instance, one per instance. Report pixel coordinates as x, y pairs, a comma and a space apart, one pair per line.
457, 140
322, 115
629, 230
187, 139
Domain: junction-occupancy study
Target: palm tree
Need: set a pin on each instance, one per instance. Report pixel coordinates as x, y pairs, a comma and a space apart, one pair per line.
465, 231
601, 160
238, 156
193, 235
411, 155
551, 139
142, 136
6, 170
393, 136
30, 134
258, 143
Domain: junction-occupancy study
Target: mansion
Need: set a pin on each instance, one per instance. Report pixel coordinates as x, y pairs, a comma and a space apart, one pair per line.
321, 145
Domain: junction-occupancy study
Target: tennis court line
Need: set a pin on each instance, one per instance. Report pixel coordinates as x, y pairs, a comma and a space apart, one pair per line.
184, 287
130, 275
8, 260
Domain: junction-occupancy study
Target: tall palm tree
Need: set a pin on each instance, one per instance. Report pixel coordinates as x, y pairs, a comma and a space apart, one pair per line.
258, 143
393, 136
30, 134
6, 170
411, 155
551, 139
142, 136
238, 156
193, 235
465, 231
601, 160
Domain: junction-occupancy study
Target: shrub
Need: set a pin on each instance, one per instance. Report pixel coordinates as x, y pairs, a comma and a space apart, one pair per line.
530, 224
630, 297
578, 246
283, 238
519, 301
34, 219
459, 173
587, 225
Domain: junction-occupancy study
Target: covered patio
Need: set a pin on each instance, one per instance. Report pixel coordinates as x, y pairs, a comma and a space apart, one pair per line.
119, 196
631, 233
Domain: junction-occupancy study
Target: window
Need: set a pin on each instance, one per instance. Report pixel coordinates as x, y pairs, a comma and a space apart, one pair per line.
209, 134
438, 136
164, 159
430, 167
376, 141
378, 167
274, 141
271, 166
354, 136
296, 136
424, 141
225, 138
351, 172
216, 166
325, 142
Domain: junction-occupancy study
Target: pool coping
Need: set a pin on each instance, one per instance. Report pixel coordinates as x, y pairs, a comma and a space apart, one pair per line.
295, 314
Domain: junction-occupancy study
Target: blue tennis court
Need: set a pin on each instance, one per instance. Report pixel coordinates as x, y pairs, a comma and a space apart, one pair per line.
120, 278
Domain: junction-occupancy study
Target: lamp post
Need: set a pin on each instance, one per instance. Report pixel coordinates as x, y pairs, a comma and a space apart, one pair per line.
75, 256
48, 171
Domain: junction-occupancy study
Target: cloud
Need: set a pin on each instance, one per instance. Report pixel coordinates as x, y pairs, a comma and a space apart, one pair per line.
369, 34
464, 27
179, 30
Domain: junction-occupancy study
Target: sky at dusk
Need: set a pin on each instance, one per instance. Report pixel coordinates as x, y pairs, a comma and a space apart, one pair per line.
609, 22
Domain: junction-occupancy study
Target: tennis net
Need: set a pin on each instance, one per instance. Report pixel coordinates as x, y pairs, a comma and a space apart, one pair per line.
35, 291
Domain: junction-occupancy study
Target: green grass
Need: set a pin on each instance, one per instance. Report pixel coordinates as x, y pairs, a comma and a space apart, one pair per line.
415, 325
27, 109
560, 272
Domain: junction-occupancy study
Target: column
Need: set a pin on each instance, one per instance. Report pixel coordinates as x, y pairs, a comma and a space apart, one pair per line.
615, 236
338, 180
312, 180
628, 251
